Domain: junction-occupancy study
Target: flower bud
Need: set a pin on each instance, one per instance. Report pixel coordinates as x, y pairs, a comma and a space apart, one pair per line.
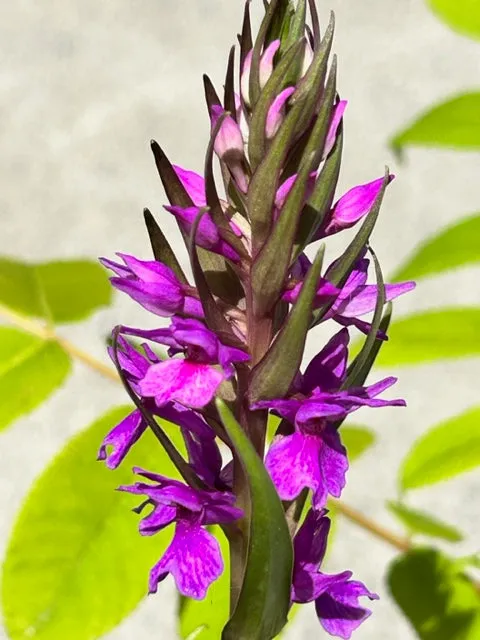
265, 69
229, 140
276, 113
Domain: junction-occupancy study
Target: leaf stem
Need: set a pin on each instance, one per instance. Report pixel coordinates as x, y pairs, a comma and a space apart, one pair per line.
46, 333
399, 542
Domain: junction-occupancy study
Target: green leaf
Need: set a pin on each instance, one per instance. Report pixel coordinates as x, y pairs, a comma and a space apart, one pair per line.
60, 291
445, 451
432, 335
262, 607
454, 123
207, 617
356, 440
461, 15
75, 563
456, 246
440, 602
418, 522
30, 370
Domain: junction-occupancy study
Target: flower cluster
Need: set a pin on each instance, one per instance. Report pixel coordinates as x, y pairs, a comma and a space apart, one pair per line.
237, 330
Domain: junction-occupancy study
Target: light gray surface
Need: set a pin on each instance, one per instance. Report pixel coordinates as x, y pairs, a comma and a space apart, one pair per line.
84, 85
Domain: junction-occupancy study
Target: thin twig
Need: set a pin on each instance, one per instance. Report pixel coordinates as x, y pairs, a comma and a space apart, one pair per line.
401, 543
46, 333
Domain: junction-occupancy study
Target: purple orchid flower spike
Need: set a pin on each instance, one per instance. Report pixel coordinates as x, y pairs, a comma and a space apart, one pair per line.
336, 596
314, 449
193, 557
240, 335
191, 381
154, 286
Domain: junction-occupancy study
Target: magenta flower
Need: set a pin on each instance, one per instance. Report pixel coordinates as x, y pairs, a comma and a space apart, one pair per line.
335, 596
118, 442
154, 286
314, 449
193, 380
350, 208
356, 298
193, 557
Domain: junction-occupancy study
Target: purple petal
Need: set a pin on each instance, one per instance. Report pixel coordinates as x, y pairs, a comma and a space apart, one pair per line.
190, 383
207, 235
310, 542
149, 270
193, 333
292, 462
160, 517
337, 116
321, 405
162, 299
319, 463
222, 513
310, 583
338, 609
228, 355
276, 113
229, 139
193, 307
327, 370
355, 204
285, 408
333, 466
187, 419
207, 232
193, 184
122, 438
365, 298
245, 77
194, 560
204, 457
119, 269
285, 188
266, 62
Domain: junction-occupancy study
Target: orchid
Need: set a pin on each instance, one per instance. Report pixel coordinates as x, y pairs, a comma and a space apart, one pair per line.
236, 338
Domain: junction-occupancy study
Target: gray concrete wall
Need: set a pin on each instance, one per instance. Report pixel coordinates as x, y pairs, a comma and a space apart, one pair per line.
84, 85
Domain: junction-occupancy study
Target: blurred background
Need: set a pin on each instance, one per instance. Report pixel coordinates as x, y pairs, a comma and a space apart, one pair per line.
85, 85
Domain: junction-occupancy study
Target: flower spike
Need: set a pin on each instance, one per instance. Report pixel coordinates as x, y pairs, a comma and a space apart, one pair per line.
236, 336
